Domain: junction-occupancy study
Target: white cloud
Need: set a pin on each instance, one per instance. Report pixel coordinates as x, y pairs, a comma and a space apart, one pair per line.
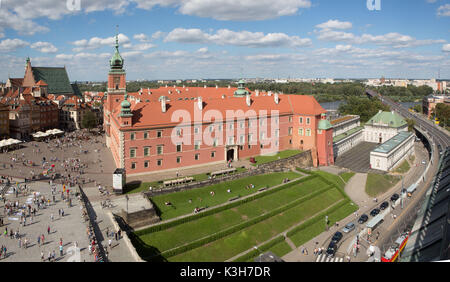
141, 37
335, 24
20, 15
446, 48
142, 47
157, 35
444, 10
243, 10
240, 38
44, 47
203, 50
97, 42
393, 39
11, 45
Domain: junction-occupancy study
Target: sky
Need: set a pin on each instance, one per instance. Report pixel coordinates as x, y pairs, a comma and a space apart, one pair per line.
212, 39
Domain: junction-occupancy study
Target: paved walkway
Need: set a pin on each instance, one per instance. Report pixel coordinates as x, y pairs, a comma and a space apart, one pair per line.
70, 228
91, 153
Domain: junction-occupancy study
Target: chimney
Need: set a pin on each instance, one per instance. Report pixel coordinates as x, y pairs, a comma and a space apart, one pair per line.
248, 100
163, 104
200, 103
204, 86
257, 93
276, 98
269, 93
217, 86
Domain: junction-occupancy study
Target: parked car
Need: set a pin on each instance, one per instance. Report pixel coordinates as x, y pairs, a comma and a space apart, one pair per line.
331, 250
363, 218
384, 205
336, 237
349, 227
424, 162
395, 197
374, 212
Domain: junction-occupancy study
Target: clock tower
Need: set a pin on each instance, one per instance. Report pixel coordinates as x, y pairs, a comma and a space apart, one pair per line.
116, 88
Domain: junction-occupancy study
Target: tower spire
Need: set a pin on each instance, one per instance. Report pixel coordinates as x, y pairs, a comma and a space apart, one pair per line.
117, 36
117, 61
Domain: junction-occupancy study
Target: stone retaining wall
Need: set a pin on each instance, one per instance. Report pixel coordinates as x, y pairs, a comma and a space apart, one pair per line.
140, 218
304, 159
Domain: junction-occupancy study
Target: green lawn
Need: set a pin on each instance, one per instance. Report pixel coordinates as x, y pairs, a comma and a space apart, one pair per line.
201, 197
316, 225
221, 235
347, 175
208, 225
277, 246
332, 178
246, 238
377, 184
280, 155
403, 167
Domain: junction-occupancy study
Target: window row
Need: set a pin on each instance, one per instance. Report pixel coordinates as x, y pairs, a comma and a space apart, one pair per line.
159, 162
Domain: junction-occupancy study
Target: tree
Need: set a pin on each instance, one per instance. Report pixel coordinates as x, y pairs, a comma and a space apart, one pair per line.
89, 120
364, 107
411, 123
442, 112
417, 108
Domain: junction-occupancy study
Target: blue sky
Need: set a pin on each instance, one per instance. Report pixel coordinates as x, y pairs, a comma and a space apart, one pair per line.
183, 39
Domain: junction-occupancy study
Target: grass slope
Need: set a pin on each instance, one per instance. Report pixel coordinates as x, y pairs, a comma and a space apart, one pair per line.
201, 197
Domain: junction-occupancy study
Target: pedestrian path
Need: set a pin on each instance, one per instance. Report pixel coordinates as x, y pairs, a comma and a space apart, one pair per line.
325, 258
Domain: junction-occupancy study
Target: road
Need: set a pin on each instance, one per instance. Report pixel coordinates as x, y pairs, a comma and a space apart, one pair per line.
439, 139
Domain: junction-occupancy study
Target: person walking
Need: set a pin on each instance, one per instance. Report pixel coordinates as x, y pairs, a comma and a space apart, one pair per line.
48, 230
60, 250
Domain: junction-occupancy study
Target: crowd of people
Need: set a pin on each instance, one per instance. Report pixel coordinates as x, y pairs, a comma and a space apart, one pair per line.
63, 159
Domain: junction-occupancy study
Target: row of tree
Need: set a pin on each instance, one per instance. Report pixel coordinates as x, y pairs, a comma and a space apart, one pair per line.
323, 92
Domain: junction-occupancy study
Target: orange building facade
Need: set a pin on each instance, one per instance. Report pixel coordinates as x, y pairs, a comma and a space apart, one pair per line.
179, 127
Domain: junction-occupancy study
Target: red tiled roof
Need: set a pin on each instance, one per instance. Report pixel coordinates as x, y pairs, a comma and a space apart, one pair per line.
16, 82
148, 114
41, 83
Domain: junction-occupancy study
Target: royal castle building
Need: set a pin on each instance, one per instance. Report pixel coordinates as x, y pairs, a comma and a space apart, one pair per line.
179, 127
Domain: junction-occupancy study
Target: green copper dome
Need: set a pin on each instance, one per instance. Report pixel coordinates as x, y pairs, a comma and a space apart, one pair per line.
116, 61
241, 91
125, 107
324, 124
